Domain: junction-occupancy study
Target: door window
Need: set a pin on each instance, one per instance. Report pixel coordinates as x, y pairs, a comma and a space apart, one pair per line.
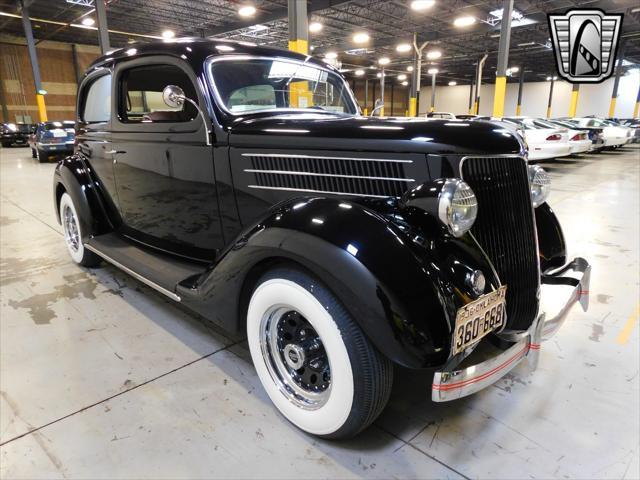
141, 90
97, 103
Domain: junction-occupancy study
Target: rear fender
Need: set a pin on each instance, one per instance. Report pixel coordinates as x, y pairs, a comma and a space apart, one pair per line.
403, 284
73, 177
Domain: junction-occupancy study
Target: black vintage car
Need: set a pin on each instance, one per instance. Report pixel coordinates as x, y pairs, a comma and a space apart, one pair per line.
243, 182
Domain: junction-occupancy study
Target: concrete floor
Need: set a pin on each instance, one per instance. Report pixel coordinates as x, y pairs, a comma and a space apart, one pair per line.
102, 377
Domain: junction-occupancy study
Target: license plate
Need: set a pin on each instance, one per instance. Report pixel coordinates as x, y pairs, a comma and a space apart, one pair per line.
478, 318
52, 148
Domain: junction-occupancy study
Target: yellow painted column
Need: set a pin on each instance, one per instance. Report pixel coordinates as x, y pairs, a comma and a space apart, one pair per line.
300, 94
573, 104
499, 96
299, 46
636, 109
413, 103
612, 107
42, 108
549, 112
365, 112
518, 110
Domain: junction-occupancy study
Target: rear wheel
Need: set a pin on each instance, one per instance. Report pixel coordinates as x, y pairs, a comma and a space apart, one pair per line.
41, 155
73, 234
312, 358
6, 144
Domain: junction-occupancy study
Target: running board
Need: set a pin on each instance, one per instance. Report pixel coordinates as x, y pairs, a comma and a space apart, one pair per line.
159, 271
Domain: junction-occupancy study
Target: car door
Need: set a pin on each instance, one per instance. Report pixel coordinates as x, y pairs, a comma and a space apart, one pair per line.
162, 161
93, 134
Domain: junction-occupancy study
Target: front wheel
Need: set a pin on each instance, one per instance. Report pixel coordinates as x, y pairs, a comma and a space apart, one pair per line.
73, 234
312, 358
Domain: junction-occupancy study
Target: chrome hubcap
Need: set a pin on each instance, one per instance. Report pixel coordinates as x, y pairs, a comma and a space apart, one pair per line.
71, 231
295, 357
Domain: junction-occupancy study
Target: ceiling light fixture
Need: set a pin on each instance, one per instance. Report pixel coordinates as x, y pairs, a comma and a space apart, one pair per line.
405, 83
410, 68
359, 72
434, 54
402, 76
453, 83
464, 21
247, 11
419, 5
331, 55
167, 34
384, 61
432, 71
403, 47
315, 27
88, 21
514, 69
361, 37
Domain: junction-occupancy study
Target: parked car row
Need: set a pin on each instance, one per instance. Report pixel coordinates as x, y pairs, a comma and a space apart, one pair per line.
553, 138
45, 139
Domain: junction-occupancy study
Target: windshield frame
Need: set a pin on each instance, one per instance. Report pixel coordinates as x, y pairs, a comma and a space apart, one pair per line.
222, 106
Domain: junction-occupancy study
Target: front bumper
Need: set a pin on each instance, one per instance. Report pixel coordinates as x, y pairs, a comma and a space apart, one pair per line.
451, 385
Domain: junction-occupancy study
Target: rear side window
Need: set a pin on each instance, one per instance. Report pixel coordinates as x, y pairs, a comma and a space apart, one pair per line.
141, 95
97, 103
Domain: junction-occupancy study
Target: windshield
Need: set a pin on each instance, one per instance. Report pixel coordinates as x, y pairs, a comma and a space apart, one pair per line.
256, 84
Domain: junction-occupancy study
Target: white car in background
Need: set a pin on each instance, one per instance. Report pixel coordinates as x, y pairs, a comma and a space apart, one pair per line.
578, 139
544, 142
613, 135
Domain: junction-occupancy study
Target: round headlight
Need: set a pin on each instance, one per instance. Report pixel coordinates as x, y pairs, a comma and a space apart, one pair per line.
540, 184
457, 206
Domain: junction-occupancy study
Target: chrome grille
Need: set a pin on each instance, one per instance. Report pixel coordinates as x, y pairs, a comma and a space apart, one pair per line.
505, 229
365, 177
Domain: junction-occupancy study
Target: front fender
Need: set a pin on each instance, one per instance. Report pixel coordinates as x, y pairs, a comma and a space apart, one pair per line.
551, 243
403, 285
72, 176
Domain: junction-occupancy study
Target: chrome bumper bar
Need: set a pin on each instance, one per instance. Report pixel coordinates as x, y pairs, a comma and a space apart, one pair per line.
460, 383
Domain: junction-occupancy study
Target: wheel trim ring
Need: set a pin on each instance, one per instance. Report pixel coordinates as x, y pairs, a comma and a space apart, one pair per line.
71, 230
276, 367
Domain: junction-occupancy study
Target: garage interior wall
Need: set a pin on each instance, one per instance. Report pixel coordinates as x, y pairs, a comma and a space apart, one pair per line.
399, 93
58, 77
593, 100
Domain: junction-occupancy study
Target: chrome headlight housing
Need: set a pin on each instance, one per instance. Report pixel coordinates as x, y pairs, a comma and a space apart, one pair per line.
540, 185
457, 206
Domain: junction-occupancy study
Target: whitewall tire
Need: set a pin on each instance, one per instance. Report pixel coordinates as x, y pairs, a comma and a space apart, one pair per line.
315, 363
73, 234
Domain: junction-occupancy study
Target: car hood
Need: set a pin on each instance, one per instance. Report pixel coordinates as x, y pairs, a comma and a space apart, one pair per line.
326, 131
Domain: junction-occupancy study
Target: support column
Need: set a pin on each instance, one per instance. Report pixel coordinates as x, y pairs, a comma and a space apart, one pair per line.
392, 90
413, 94
503, 60
3, 103
432, 108
616, 84
573, 105
479, 83
35, 67
366, 96
298, 26
520, 88
76, 65
553, 79
636, 109
103, 28
471, 87
382, 92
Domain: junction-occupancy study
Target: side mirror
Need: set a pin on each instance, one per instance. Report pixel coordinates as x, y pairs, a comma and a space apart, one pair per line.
173, 96
377, 106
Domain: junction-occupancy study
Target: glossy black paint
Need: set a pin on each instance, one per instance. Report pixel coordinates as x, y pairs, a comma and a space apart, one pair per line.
393, 265
551, 243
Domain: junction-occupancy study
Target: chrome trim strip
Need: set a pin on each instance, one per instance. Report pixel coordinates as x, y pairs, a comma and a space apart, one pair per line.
289, 155
259, 187
137, 276
334, 175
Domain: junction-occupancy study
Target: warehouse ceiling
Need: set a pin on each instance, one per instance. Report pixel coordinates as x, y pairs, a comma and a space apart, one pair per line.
387, 23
